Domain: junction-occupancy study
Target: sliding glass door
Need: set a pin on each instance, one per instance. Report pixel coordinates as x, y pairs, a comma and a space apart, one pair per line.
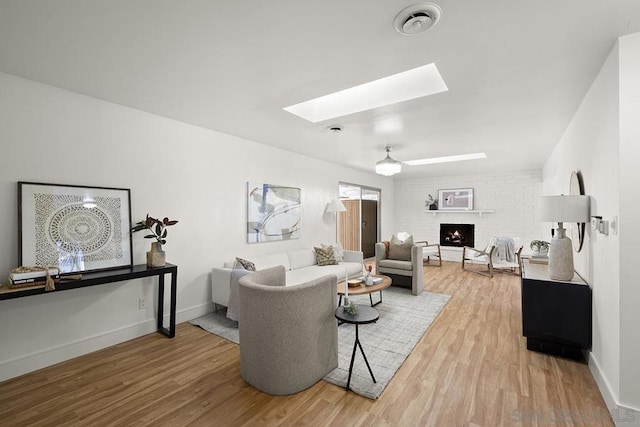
359, 226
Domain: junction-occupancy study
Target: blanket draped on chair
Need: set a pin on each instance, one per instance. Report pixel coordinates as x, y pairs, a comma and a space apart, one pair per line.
505, 249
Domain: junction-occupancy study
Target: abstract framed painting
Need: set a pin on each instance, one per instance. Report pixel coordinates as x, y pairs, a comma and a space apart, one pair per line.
76, 228
459, 199
273, 212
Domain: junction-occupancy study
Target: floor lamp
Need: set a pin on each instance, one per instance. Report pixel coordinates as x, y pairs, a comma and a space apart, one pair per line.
562, 209
334, 207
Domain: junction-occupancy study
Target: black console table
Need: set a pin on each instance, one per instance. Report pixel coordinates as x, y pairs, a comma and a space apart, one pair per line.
556, 315
110, 276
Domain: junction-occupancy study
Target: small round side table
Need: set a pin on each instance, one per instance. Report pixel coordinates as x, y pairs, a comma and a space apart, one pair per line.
365, 315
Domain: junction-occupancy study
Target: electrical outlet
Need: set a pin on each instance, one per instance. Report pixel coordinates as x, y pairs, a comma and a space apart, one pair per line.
142, 303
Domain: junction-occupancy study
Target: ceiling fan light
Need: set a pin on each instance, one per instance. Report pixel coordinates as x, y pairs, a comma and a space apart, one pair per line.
388, 166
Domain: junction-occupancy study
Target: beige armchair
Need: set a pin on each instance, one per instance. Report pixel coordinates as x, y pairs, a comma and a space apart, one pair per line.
411, 268
499, 255
288, 334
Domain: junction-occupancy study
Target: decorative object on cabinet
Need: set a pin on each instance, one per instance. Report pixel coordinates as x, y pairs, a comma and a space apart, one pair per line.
460, 199
576, 188
76, 228
22, 277
563, 209
540, 248
273, 212
158, 230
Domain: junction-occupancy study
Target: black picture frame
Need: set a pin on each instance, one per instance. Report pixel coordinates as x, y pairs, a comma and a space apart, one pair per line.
76, 228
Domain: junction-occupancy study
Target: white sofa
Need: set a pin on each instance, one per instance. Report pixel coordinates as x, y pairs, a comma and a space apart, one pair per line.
300, 267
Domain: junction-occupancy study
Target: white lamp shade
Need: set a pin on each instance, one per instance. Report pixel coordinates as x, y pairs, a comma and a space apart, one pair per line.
565, 208
336, 206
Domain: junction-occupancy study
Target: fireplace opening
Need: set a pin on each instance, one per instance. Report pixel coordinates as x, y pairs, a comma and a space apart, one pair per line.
457, 235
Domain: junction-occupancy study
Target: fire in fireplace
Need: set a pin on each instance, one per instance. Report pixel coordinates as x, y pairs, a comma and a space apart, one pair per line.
457, 235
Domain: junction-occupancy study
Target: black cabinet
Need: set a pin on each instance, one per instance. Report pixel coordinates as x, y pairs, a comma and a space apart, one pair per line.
556, 315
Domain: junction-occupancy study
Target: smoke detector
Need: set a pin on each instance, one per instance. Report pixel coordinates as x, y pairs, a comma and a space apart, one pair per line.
416, 18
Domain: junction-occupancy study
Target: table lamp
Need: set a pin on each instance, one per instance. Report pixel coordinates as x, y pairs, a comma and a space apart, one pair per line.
563, 209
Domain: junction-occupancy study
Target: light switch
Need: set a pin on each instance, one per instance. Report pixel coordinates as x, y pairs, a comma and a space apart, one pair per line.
603, 227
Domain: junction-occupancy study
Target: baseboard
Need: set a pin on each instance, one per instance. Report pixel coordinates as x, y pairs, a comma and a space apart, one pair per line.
623, 416
50, 356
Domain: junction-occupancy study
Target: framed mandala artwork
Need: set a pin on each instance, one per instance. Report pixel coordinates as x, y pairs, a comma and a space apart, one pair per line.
75, 228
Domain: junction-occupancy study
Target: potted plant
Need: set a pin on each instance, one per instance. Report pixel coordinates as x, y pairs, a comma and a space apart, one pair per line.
539, 247
431, 203
158, 230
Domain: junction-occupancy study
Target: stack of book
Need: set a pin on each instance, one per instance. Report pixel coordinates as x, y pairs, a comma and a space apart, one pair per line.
32, 278
539, 259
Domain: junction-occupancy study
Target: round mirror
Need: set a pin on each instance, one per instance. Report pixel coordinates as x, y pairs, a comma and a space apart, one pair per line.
576, 188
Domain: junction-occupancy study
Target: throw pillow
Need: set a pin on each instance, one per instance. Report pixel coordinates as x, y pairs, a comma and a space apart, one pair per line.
400, 250
338, 252
243, 263
324, 256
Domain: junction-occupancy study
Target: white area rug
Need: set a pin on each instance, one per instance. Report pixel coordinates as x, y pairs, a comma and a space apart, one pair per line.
404, 318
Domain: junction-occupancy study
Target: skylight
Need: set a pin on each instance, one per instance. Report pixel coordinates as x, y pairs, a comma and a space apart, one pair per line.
446, 159
411, 84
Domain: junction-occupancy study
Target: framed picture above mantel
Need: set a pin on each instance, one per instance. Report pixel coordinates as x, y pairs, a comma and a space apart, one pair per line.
76, 228
459, 199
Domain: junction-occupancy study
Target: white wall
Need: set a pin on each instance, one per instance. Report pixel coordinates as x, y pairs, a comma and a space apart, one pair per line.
173, 169
602, 142
513, 196
590, 145
629, 216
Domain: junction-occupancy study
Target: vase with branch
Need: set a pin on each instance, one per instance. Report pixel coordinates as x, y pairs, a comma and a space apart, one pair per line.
157, 229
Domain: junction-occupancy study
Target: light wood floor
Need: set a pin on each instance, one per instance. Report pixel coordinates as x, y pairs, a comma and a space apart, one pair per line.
470, 369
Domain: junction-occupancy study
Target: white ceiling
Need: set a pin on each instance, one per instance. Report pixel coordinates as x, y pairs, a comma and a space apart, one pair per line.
516, 70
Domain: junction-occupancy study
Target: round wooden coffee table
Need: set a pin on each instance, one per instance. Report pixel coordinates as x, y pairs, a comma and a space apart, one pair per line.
363, 289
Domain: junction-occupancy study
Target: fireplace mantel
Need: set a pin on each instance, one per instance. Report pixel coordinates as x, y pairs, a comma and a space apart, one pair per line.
480, 212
